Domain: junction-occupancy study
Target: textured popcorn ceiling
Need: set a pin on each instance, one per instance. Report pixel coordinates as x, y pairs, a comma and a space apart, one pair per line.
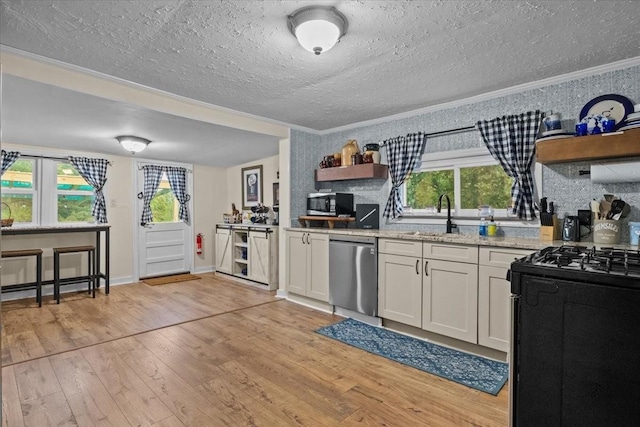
397, 56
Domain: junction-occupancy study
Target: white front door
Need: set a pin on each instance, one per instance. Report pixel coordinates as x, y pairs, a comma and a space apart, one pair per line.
164, 245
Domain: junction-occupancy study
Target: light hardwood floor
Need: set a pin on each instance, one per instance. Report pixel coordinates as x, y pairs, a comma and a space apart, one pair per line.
210, 352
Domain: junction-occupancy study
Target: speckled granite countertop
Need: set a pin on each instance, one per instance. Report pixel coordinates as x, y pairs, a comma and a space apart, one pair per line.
462, 239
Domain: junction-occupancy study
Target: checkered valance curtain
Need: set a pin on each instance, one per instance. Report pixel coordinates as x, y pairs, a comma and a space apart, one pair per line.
178, 182
9, 158
152, 177
94, 171
402, 154
511, 141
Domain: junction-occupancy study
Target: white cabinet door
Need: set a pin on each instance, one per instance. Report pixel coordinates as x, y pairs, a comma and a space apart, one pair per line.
223, 250
259, 256
318, 266
450, 299
493, 308
296, 262
400, 289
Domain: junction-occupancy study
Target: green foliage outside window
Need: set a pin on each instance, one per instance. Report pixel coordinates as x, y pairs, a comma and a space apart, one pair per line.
164, 206
485, 185
479, 185
74, 208
424, 188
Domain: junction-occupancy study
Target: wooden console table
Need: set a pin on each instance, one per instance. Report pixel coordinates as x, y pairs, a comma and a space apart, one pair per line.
305, 220
97, 229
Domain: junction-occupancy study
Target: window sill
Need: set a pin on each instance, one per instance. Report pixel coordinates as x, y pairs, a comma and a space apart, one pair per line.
437, 220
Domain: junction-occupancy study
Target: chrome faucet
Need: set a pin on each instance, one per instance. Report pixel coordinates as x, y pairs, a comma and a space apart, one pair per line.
450, 225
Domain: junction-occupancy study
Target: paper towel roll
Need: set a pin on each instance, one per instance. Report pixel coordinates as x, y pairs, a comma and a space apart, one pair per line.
605, 173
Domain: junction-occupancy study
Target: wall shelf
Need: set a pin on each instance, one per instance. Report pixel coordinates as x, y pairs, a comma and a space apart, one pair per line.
590, 147
363, 171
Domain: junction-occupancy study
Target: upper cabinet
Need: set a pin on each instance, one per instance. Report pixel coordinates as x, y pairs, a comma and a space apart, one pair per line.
591, 147
363, 171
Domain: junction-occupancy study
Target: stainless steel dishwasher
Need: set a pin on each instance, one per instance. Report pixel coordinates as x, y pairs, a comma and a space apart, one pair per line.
353, 273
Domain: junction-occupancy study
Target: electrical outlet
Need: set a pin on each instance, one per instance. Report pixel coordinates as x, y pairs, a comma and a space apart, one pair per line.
114, 203
584, 217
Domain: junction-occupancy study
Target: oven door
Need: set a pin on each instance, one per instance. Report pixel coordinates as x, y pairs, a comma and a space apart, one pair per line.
575, 356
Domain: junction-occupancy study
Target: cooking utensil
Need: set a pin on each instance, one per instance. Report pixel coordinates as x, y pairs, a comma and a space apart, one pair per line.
616, 208
605, 207
543, 205
595, 208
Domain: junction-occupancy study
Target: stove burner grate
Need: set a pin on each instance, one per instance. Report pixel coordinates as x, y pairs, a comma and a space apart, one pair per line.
603, 260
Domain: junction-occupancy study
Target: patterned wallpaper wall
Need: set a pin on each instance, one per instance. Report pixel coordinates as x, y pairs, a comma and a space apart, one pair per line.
561, 183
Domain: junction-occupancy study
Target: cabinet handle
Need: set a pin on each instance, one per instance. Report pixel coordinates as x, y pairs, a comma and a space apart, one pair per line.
426, 273
308, 237
417, 264
302, 238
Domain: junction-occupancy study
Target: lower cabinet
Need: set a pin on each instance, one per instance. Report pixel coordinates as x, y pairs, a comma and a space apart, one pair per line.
223, 250
248, 252
494, 293
417, 287
458, 291
400, 288
308, 264
263, 267
450, 299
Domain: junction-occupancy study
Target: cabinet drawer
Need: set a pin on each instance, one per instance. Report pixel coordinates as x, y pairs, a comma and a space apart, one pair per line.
501, 257
449, 252
400, 247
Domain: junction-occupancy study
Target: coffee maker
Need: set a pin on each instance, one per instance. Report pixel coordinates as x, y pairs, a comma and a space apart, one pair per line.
276, 215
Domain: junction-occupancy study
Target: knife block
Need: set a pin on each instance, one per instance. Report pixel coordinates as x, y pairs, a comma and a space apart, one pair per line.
549, 233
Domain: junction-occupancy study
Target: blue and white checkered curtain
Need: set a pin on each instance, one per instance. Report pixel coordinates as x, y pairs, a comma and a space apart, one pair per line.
152, 178
403, 153
9, 158
511, 140
94, 171
178, 182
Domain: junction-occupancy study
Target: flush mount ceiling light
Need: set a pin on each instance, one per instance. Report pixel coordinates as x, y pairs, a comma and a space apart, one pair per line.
134, 144
317, 28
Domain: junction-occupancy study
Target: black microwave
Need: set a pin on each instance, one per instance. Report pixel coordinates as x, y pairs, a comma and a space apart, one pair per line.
330, 204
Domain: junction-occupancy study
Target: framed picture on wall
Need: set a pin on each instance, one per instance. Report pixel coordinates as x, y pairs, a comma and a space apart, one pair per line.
276, 194
251, 186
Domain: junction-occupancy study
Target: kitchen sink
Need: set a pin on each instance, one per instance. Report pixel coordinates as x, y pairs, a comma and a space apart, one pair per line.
430, 234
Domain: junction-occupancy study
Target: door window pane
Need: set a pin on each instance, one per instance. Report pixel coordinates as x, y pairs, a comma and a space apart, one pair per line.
164, 205
424, 188
484, 185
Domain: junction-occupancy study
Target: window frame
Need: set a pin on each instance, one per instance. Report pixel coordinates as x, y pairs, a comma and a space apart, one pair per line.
45, 202
457, 159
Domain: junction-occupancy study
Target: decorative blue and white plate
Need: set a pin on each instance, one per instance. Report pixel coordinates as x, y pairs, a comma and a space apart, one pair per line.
617, 107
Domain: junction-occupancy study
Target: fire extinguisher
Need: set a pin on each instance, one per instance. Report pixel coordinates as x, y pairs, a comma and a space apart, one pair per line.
199, 239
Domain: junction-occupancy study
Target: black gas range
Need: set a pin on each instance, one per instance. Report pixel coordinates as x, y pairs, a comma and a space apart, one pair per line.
575, 341
617, 267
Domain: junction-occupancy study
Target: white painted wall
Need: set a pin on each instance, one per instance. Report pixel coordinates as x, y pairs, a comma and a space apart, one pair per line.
270, 167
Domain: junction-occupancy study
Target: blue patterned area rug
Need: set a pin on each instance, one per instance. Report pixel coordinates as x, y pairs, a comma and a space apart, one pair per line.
473, 371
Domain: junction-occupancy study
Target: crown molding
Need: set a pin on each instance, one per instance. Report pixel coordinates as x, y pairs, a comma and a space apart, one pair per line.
613, 66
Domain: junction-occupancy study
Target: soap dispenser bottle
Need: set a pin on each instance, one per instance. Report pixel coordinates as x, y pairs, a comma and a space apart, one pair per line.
492, 227
482, 230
